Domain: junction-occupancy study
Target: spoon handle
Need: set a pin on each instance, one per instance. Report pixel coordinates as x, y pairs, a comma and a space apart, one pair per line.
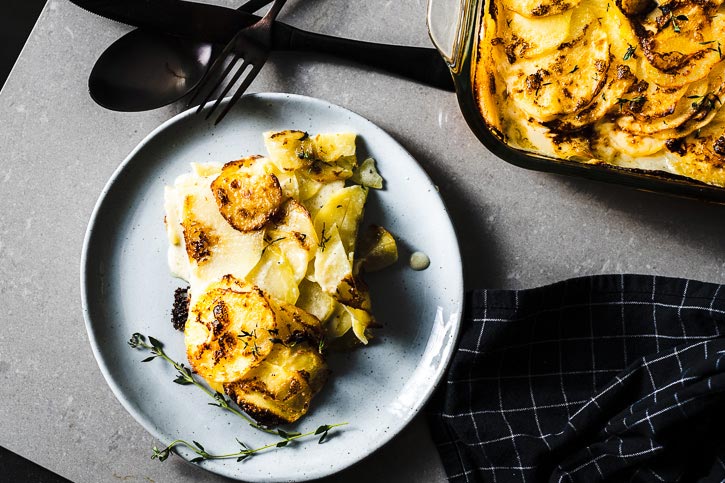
421, 64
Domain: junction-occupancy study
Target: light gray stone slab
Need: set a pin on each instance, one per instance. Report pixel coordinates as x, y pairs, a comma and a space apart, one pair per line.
517, 228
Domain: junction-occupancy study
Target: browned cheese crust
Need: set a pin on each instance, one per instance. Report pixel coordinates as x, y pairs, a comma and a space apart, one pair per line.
631, 83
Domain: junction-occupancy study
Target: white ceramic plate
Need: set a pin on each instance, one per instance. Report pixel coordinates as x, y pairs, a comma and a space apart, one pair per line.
127, 288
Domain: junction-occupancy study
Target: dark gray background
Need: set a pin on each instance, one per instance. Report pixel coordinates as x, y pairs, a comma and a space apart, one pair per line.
16, 22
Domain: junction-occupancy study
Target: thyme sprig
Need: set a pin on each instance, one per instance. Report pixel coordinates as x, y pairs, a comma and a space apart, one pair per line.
245, 451
672, 18
707, 102
621, 101
323, 239
186, 378
269, 242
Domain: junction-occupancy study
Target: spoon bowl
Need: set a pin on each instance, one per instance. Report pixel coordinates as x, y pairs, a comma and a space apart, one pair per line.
145, 70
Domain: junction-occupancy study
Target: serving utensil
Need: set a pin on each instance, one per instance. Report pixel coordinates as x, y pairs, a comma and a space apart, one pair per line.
252, 45
147, 69
165, 62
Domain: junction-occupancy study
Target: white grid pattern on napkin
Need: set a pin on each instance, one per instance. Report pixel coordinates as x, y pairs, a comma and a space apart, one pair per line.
650, 357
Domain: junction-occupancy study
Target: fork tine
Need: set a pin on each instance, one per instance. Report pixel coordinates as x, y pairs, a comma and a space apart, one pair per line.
212, 71
242, 89
218, 83
229, 85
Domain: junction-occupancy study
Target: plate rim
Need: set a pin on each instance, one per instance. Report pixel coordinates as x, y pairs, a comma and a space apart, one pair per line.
147, 423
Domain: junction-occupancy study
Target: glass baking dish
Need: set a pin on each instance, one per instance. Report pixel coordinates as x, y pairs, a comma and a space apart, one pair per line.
454, 27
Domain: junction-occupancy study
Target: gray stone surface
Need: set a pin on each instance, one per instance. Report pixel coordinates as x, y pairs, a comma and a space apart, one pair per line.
517, 228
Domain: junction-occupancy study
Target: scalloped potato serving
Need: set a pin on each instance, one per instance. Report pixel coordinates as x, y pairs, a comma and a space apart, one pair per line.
269, 247
632, 83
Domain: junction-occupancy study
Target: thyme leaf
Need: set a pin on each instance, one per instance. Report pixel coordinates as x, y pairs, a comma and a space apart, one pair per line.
245, 451
621, 101
185, 377
323, 239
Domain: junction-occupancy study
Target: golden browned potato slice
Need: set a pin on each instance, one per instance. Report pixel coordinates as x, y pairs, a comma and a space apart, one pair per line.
247, 200
701, 155
525, 37
280, 388
563, 81
324, 172
296, 324
679, 46
354, 292
228, 332
233, 326
539, 8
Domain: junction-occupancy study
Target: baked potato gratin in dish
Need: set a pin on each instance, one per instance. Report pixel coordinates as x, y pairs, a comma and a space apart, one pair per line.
631, 83
270, 249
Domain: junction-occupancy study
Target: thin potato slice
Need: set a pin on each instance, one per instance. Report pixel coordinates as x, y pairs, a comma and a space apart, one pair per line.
293, 233
330, 147
354, 292
345, 210
246, 200
339, 324
213, 248
289, 150
226, 333
361, 320
280, 388
332, 264
275, 275
325, 172
367, 175
377, 249
324, 193
315, 301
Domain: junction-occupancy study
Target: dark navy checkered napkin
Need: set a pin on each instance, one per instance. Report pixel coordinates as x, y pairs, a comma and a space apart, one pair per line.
606, 378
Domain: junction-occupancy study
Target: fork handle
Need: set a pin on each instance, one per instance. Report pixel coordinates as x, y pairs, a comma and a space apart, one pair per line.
421, 64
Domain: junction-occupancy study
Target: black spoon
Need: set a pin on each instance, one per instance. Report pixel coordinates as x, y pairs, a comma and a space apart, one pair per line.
146, 70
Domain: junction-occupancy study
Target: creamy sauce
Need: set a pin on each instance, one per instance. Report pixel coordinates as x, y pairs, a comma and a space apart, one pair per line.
419, 261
